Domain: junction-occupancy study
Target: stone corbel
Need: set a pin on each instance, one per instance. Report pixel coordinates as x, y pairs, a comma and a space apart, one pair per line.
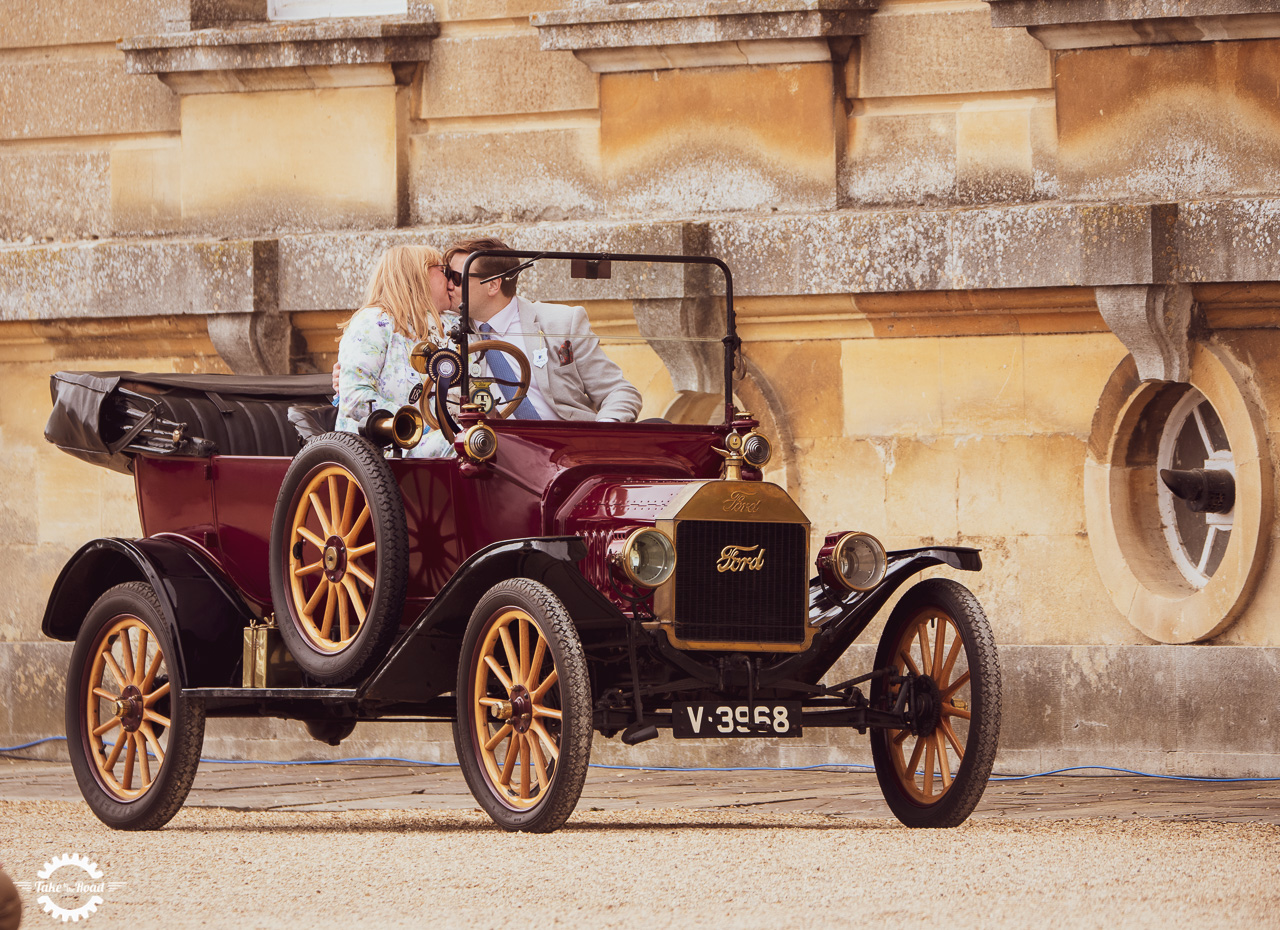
255, 343
263, 341
664, 34
1154, 323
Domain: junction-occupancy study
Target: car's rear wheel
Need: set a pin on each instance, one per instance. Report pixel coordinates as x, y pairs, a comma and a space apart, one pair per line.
523, 728
133, 735
937, 643
339, 558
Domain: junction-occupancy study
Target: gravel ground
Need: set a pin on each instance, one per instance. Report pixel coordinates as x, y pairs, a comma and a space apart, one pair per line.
654, 868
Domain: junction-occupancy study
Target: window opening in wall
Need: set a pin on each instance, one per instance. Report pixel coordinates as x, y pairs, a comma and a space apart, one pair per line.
326, 9
1197, 487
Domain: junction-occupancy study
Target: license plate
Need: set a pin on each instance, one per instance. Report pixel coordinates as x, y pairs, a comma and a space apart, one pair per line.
723, 719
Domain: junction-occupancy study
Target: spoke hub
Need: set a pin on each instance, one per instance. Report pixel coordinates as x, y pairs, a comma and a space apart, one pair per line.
926, 705
129, 708
335, 558
521, 709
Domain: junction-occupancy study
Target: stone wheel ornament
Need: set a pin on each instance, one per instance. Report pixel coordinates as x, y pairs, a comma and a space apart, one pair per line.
1197, 487
133, 736
339, 558
523, 726
939, 646
1178, 496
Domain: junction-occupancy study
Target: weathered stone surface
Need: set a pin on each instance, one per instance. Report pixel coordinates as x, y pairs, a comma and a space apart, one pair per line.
981, 385
1173, 122
309, 44
68, 22
1060, 597
899, 159
330, 271
921, 489
1211, 709
1108, 244
38, 567
911, 50
844, 484
291, 159
531, 176
35, 675
95, 97
1228, 240
606, 25
1018, 246
705, 55
1020, 486
841, 253
518, 78
114, 279
994, 158
1055, 404
768, 132
73, 200
146, 187
458, 10
1070, 24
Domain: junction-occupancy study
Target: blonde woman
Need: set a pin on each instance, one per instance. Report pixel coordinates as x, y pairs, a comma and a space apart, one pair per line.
401, 308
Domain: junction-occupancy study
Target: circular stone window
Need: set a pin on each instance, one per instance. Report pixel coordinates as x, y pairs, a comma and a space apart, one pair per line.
1178, 497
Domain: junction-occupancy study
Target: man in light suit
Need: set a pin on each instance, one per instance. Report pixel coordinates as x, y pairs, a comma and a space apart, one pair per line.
572, 378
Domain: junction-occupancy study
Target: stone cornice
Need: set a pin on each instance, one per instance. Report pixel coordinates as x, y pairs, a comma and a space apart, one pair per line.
850, 252
1072, 24
269, 56
664, 34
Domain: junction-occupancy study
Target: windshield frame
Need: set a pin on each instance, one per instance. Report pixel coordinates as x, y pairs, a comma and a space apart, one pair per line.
732, 344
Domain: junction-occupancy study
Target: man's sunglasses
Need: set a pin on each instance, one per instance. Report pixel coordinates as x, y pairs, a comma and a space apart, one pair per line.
454, 277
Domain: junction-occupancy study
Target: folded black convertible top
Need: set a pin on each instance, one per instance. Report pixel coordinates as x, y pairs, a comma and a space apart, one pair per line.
108, 417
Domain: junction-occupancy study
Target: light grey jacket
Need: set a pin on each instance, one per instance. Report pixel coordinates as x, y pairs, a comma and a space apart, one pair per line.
589, 386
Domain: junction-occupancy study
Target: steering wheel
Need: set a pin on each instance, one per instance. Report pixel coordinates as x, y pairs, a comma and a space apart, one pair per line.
442, 371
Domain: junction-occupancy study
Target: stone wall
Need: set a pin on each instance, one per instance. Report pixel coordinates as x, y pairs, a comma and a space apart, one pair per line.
951, 224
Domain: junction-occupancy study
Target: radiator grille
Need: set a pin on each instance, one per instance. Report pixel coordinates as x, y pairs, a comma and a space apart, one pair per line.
756, 605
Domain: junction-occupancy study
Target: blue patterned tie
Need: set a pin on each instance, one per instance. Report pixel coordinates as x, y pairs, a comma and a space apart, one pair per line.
500, 368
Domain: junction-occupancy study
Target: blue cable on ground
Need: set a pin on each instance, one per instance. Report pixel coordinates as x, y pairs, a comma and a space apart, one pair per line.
822, 766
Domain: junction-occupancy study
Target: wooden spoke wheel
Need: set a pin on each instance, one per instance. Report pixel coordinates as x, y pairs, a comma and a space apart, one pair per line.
523, 728
339, 558
939, 647
134, 738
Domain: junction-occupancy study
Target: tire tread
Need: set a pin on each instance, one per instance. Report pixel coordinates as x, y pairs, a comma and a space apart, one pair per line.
980, 750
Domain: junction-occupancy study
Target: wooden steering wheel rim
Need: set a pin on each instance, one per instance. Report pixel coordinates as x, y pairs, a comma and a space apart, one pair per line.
441, 422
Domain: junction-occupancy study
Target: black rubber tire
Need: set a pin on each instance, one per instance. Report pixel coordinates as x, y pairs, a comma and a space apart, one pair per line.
348, 661
952, 805
158, 802
571, 696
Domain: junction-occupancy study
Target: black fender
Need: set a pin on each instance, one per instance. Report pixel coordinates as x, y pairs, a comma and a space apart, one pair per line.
205, 616
845, 614
424, 662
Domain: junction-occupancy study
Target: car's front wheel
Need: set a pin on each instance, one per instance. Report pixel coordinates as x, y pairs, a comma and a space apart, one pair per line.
938, 644
133, 735
523, 727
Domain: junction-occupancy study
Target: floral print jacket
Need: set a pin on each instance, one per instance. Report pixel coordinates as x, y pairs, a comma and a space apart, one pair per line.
376, 375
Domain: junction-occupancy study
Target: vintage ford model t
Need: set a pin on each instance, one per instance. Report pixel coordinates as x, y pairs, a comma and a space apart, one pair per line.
551, 581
